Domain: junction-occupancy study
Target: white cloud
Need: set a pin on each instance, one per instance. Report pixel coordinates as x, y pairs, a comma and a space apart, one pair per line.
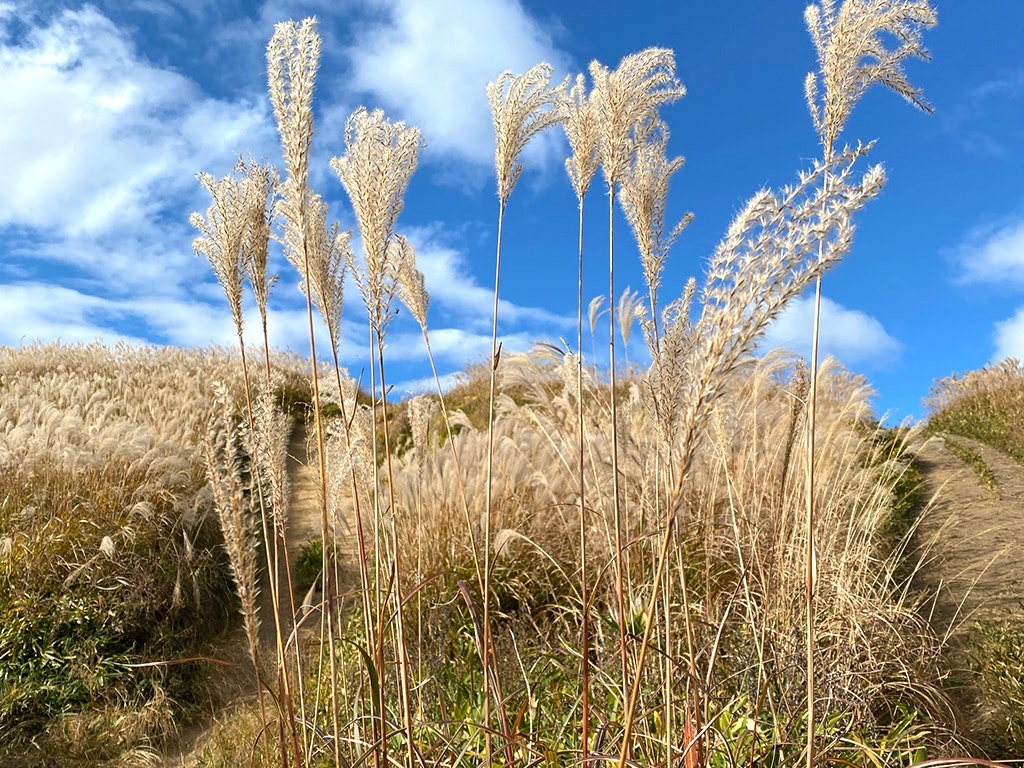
852, 336
46, 312
99, 179
984, 118
103, 138
1009, 337
993, 254
34, 311
450, 285
430, 63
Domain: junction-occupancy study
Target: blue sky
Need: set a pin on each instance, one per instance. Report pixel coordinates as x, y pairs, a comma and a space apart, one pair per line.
109, 110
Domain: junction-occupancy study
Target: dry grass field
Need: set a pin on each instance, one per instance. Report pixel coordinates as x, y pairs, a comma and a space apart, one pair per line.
709, 560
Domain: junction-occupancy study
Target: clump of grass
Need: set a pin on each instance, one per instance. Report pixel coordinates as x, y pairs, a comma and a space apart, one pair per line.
996, 654
111, 558
984, 405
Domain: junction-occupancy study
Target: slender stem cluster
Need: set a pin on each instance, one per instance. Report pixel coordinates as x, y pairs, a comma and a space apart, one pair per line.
627, 462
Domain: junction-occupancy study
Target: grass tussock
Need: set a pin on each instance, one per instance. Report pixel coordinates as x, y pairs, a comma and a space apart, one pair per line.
111, 557
985, 405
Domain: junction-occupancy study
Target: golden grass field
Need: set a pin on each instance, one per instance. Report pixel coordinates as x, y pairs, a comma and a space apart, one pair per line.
712, 559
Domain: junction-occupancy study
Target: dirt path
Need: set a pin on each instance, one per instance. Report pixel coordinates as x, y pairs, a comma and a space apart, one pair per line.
973, 537
236, 682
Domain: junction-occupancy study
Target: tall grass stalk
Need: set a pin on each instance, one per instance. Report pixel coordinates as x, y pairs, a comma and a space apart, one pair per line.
626, 102
229, 236
293, 56
521, 107
581, 132
378, 163
852, 54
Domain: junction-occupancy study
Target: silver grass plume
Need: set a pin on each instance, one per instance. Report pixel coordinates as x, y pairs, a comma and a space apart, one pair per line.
668, 374
293, 55
308, 241
644, 196
626, 102
268, 445
222, 235
260, 183
380, 157
412, 289
237, 521
521, 107
422, 410
595, 310
580, 123
852, 53
628, 312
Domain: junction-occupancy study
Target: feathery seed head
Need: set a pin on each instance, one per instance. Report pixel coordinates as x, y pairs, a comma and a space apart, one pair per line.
293, 56
380, 157
222, 235
259, 183
521, 106
411, 286
107, 547
644, 195
578, 119
319, 253
852, 54
422, 409
627, 102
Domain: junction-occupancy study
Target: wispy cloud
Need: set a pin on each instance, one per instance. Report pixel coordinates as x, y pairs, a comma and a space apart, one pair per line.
462, 297
853, 337
99, 179
29, 315
993, 254
986, 119
1009, 337
103, 138
429, 63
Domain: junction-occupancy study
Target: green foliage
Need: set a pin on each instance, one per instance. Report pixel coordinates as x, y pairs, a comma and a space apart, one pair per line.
907, 486
309, 564
57, 651
996, 653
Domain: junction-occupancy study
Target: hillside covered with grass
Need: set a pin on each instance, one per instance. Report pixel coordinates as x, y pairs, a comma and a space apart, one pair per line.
701, 560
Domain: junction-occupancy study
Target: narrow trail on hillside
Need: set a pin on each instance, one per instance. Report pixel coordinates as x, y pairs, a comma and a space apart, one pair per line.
971, 538
237, 682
